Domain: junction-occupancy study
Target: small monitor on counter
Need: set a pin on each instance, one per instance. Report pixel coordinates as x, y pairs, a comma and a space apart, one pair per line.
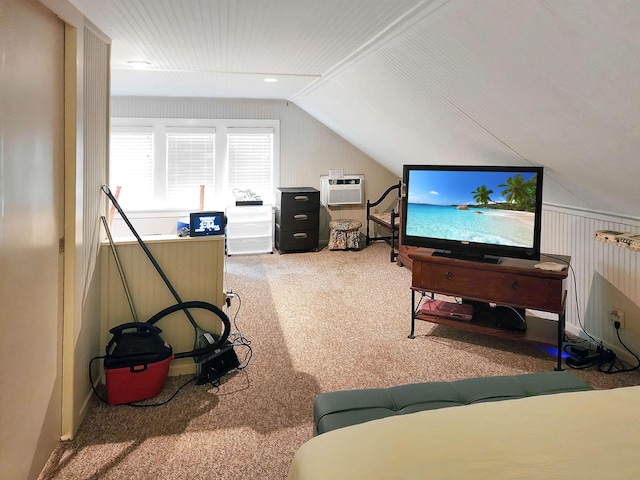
206, 223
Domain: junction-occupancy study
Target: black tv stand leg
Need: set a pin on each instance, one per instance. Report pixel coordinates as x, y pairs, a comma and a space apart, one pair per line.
561, 334
413, 314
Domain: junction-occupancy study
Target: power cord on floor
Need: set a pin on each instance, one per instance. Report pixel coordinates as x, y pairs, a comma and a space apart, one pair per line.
237, 339
613, 367
601, 357
575, 293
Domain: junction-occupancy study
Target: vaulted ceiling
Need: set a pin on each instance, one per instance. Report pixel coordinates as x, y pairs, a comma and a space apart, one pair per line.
500, 82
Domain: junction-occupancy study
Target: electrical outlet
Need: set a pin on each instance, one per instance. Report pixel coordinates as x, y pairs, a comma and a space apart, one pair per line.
228, 295
616, 315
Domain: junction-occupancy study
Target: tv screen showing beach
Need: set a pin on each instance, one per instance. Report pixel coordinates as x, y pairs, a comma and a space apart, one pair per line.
488, 207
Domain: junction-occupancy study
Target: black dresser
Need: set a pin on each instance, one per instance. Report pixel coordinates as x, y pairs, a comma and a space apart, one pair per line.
297, 219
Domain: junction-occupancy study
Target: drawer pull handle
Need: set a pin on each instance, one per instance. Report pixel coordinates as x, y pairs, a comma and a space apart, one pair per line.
300, 235
448, 275
301, 198
300, 216
515, 285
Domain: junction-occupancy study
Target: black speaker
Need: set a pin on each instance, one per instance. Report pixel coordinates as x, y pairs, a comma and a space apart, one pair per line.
507, 318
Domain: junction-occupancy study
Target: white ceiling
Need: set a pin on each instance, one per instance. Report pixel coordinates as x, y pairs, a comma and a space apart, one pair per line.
225, 48
544, 82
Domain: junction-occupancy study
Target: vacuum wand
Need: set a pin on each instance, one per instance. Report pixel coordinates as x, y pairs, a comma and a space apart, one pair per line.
107, 192
119, 265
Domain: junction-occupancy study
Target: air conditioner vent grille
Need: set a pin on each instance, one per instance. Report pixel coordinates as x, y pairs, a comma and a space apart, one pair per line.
345, 190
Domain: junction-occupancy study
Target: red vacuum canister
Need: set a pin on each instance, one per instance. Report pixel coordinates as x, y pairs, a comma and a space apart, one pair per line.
136, 364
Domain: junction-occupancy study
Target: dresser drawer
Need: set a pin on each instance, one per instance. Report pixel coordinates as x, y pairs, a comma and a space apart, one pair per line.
298, 221
491, 285
298, 199
292, 241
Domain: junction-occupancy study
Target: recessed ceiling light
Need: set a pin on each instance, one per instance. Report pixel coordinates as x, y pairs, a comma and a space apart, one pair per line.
271, 80
139, 64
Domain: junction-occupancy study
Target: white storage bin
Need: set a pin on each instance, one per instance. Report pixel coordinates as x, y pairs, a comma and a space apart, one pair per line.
249, 229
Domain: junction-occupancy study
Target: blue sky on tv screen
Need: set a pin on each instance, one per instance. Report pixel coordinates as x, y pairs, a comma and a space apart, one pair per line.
448, 187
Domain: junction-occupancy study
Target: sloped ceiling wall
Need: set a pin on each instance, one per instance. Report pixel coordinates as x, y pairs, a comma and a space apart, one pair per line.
503, 82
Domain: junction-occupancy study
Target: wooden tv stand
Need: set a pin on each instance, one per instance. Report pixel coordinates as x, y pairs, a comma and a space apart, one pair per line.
512, 282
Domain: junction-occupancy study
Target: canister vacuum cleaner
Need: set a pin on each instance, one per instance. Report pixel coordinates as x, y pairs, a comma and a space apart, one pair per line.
137, 359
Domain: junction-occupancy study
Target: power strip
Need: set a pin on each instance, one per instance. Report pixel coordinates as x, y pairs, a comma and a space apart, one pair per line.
581, 357
583, 361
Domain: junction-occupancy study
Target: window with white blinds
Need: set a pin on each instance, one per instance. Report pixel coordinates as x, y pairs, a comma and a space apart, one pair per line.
131, 165
162, 163
190, 165
250, 153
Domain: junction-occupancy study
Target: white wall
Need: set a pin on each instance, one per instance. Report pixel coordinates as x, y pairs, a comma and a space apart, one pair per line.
31, 222
602, 277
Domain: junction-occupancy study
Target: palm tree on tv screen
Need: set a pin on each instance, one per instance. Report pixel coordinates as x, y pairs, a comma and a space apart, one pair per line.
481, 195
519, 192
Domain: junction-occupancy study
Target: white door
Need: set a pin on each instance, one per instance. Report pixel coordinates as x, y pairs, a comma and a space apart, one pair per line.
31, 225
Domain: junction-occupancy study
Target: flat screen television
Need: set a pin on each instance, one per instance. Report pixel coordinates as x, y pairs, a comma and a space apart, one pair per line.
480, 213
206, 223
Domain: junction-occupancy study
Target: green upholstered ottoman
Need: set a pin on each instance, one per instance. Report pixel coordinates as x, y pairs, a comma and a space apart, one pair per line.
339, 409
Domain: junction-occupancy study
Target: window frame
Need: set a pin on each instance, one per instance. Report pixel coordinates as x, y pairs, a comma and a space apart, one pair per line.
222, 196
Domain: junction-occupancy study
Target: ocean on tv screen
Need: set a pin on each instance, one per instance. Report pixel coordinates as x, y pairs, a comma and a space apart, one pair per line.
471, 224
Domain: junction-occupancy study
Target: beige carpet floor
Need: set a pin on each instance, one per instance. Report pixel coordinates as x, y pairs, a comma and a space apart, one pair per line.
317, 321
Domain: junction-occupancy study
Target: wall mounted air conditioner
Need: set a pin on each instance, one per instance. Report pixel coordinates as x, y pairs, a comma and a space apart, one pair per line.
345, 190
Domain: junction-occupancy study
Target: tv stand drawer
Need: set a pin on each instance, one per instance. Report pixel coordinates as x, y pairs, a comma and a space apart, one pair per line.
490, 285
